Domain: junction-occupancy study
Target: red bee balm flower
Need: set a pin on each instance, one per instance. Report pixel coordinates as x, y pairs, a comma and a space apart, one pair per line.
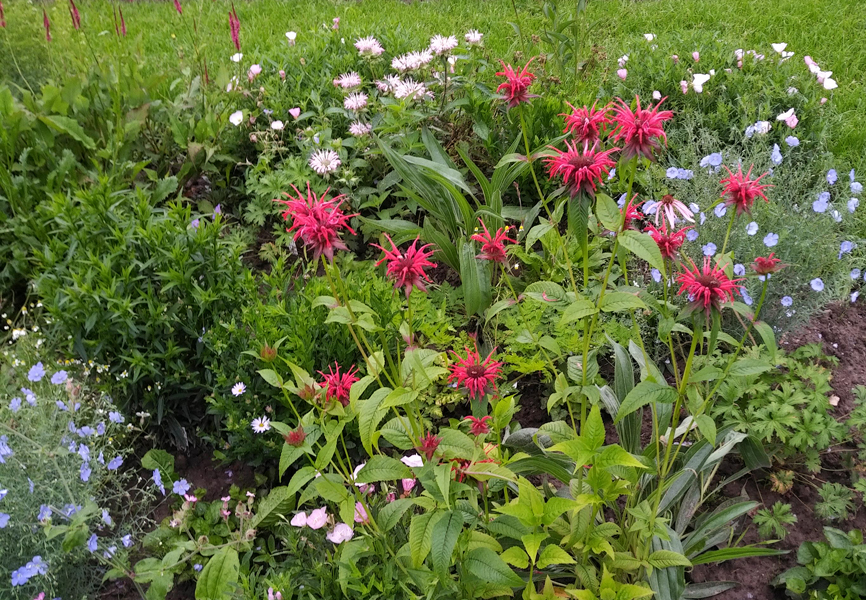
317, 221
668, 243
766, 265
708, 287
2, 16
631, 214
47, 25
741, 191
428, 446
516, 86
585, 123
581, 172
478, 426
339, 384
235, 27
76, 17
640, 130
492, 247
177, 7
407, 268
473, 373
296, 437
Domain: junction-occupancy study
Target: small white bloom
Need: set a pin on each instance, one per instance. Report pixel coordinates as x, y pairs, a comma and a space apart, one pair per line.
649, 36
355, 102
261, 424
291, 36
237, 57
325, 161
473, 36
779, 47
277, 125
239, 388
413, 461
440, 44
699, 80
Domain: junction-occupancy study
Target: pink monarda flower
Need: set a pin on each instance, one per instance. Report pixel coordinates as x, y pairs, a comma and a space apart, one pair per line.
369, 46
478, 426
122, 22
631, 214
640, 129
668, 242
581, 171
407, 268
355, 102
2, 16
235, 27
76, 17
492, 246
668, 207
741, 191
439, 44
586, 124
515, 88
348, 81
429, 444
178, 7
47, 25
317, 221
765, 265
339, 384
324, 161
474, 374
359, 129
708, 287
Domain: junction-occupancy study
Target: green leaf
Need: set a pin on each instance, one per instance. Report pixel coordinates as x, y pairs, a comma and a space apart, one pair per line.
577, 310
497, 308
616, 456
769, 338
744, 367
837, 538
545, 291
707, 427
392, 512
642, 246
732, 553
70, 127
554, 555
420, 536
646, 392
516, 556
475, 277
278, 502
708, 373
455, 444
272, 377
301, 477
486, 565
532, 542
219, 575
443, 539
383, 468
608, 212
661, 559
161, 460
593, 429
536, 233
370, 414
620, 301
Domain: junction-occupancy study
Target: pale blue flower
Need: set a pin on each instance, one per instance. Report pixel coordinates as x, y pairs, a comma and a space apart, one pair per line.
817, 284
721, 209
752, 228
85, 431
100, 428
115, 417
61, 406
5, 450
853, 203
157, 480
15, 404
787, 301
709, 249
854, 296
694, 207
856, 187
621, 201
820, 205
845, 247
855, 274
195, 223
656, 275
739, 269
84, 452
59, 377
703, 218
692, 235
685, 174
126, 540
106, 518
30, 483
776, 155
612, 174
4, 520
832, 176
792, 141
36, 372
85, 472
837, 216
100, 459
746, 297
197, 567
711, 160
114, 463
771, 239
44, 513
180, 487
29, 396
3, 493
109, 552
671, 173
91, 543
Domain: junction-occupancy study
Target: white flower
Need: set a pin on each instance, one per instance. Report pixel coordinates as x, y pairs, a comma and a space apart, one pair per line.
299, 520
699, 80
411, 90
355, 102
277, 125
325, 161
657, 95
341, 533
388, 83
369, 46
358, 129
649, 36
413, 461
348, 80
233, 83
291, 36
411, 61
622, 60
779, 47
473, 36
239, 388
829, 83
261, 424
440, 44
237, 57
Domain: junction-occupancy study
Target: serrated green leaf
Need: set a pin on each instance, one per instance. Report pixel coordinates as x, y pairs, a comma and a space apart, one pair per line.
577, 310
516, 557
554, 555
620, 301
744, 367
661, 559
642, 246
219, 575
443, 539
391, 513
646, 392
486, 565
383, 468
607, 212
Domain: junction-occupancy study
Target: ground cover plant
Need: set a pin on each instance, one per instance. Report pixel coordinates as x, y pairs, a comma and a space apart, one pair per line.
495, 299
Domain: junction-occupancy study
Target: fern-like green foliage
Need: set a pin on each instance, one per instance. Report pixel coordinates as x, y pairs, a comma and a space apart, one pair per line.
773, 523
835, 504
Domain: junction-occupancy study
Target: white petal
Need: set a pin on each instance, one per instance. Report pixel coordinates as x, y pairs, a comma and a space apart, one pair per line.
785, 115
779, 47
830, 84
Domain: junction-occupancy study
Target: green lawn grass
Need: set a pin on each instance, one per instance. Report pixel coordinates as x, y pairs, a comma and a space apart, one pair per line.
829, 30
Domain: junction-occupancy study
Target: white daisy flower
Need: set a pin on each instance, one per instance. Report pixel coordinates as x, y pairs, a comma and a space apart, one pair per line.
239, 388
261, 424
325, 161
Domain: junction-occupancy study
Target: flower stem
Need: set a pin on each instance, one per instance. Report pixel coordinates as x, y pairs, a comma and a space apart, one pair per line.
728, 232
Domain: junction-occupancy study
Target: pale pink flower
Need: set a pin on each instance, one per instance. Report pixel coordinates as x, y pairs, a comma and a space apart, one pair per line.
411, 90
675, 58
299, 520
359, 129
439, 44
622, 60
348, 81
391, 497
696, 56
369, 46
340, 533
823, 100
388, 83
413, 461
789, 118
282, 75
254, 72
622, 73
473, 36
295, 112
361, 515
355, 102
668, 207
325, 161
657, 95
408, 484
317, 518
684, 86
336, 23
